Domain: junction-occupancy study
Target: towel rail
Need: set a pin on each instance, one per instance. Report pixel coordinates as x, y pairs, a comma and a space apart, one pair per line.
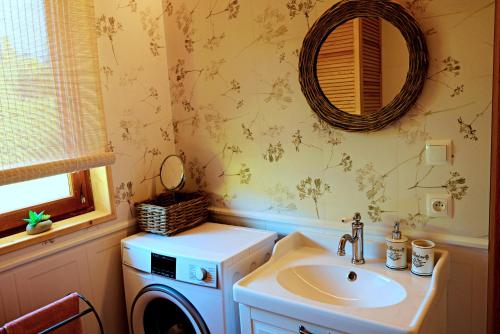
76, 316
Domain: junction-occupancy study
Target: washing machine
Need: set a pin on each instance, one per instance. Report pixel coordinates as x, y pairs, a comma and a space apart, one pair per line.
183, 284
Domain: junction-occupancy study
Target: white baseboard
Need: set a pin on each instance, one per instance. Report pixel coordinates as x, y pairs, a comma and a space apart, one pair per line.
284, 225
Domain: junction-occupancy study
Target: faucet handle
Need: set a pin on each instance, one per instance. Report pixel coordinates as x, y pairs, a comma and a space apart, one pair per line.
355, 219
346, 220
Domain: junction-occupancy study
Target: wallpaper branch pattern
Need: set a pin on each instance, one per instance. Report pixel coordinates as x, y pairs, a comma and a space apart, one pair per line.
217, 82
136, 95
233, 78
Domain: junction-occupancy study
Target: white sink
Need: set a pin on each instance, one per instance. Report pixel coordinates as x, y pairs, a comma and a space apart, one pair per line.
307, 282
341, 285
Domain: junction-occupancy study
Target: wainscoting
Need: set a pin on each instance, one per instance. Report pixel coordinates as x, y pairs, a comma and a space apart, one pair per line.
88, 262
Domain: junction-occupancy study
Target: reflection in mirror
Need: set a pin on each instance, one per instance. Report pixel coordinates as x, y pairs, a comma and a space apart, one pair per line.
362, 65
172, 173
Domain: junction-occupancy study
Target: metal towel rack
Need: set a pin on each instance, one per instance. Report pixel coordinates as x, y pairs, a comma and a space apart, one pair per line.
76, 316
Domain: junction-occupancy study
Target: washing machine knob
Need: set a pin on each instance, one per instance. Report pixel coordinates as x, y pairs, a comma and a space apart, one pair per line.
200, 274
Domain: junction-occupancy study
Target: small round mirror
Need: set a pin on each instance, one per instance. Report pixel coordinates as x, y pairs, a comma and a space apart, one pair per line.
172, 173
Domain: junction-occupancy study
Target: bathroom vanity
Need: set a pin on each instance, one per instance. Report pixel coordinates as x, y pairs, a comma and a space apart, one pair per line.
307, 288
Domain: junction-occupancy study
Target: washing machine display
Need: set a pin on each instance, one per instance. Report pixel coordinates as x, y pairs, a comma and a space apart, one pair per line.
163, 265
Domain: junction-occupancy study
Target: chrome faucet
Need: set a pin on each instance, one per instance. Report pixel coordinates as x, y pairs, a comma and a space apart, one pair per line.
356, 239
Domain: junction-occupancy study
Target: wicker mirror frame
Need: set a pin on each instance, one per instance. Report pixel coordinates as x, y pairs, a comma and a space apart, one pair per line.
417, 72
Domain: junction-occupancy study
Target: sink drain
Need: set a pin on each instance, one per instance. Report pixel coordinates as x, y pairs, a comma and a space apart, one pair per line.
352, 276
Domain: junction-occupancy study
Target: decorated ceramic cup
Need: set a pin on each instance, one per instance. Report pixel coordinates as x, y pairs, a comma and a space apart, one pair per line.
422, 257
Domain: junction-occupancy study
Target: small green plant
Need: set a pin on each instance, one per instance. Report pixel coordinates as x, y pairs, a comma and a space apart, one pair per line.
35, 218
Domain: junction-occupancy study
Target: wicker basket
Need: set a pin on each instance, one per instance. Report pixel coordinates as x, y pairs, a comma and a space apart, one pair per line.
169, 215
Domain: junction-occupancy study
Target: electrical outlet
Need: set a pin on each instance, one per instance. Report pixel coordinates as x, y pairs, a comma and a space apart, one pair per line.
439, 205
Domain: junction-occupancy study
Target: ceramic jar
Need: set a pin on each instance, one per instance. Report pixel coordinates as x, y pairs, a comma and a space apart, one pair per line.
396, 253
422, 257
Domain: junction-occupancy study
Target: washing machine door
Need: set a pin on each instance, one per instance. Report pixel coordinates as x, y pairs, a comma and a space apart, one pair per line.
159, 309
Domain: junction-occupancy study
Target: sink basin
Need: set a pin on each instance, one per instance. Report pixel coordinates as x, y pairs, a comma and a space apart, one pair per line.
306, 284
341, 285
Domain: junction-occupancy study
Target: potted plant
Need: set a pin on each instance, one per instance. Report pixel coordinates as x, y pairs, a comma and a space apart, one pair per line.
37, 222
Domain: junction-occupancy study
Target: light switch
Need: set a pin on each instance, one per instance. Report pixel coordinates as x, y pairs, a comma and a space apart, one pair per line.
438, 152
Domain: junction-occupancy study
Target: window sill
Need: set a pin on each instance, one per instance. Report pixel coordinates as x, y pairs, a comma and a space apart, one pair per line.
104, 212
21, 240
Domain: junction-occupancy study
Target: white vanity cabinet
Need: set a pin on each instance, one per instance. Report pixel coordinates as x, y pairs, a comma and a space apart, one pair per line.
256, 321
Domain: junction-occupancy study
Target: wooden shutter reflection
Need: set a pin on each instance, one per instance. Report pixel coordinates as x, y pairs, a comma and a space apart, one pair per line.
335, 68
349, 66
370, 65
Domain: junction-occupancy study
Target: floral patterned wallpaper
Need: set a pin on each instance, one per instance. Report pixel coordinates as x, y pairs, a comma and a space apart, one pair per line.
136, 95
229, 102
248, 137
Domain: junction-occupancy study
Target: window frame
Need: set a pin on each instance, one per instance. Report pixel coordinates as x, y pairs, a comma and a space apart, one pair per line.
81, 201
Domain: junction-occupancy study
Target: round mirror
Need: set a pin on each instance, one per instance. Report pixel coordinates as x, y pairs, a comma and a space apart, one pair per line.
172, 173
363, 64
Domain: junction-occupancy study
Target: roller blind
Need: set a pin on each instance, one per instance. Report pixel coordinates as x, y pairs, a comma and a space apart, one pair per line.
51, 114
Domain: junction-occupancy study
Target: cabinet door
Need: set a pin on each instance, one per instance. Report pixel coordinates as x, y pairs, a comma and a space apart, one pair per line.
264, 322
9, 304
263, 328
43, 281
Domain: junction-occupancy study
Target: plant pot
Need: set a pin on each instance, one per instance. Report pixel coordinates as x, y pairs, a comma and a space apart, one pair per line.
39, 228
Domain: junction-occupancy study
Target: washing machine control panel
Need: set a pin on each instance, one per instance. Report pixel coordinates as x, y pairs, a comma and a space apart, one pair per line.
185, 269
197, 272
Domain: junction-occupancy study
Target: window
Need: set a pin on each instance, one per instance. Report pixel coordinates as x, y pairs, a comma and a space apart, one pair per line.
52, 130
62, 196
30, 193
